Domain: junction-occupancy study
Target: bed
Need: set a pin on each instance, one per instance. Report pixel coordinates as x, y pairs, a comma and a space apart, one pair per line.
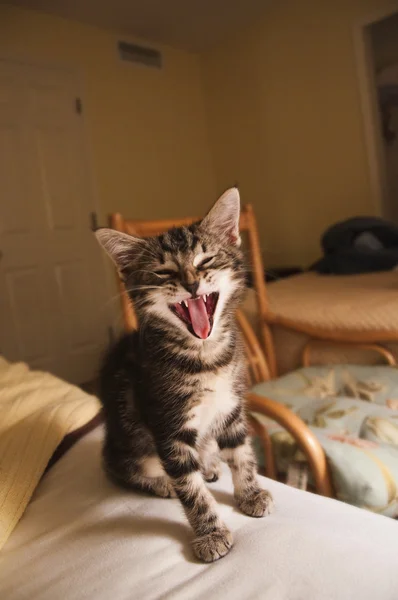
82, 538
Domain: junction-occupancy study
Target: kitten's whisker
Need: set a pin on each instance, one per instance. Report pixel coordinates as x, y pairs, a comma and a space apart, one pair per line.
150, 272
142, 287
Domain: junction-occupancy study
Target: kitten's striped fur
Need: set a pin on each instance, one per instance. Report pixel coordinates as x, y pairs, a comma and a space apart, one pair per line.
173, 391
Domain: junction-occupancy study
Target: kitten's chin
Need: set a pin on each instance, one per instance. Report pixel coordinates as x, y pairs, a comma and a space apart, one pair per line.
197, 314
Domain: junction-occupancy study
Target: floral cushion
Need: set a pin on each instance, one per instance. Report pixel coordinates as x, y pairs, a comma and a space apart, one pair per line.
353, 410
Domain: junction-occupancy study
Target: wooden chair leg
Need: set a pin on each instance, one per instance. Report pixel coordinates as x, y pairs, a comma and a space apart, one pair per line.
269, 459
305, 438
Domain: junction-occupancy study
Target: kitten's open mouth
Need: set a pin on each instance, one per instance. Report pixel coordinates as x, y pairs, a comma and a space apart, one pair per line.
197, 314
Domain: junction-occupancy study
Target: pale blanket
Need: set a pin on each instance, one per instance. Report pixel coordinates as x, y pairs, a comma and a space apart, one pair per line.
37, 410
82, 538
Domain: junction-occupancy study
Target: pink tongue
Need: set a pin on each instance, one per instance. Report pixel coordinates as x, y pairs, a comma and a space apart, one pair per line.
199, 318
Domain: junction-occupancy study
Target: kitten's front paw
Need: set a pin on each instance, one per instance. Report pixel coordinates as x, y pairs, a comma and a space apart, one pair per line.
212, 475
170, 492
213, 546
257, 504
162, 487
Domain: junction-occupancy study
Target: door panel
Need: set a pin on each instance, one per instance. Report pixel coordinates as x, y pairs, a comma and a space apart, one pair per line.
74, 294
54, 166
15, 214
24, 291
52, 279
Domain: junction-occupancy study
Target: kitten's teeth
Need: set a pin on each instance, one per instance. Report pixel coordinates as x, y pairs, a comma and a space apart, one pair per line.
205, 297
186, 303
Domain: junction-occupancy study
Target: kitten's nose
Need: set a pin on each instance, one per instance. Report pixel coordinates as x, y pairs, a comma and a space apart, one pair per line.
192, 288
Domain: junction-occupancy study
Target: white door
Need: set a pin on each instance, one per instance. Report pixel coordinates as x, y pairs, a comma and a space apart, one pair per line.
53, 299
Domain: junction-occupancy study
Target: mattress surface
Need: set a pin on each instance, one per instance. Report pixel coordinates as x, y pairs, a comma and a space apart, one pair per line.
83, 538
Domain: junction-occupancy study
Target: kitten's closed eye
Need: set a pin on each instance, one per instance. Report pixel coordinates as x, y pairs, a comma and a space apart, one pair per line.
166, 272
205, 263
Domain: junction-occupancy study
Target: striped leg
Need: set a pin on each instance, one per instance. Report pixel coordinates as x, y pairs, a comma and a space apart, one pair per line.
128, 468
237, 451
210, 459
182, 464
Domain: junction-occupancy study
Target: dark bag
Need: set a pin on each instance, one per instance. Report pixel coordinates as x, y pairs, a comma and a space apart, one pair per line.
358, 245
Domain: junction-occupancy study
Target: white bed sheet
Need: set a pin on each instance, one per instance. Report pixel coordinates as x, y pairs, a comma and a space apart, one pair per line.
83, 538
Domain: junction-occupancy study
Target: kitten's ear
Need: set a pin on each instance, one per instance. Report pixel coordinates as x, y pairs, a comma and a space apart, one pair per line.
223, 219
121, 247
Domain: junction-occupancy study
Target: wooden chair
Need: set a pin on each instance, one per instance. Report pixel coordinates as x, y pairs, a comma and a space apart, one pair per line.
261, 367
349, 309
347, 315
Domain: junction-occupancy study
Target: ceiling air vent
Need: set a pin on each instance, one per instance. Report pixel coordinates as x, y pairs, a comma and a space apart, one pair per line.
140, 54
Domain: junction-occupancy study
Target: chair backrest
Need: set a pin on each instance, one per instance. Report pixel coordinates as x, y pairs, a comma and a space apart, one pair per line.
261, 368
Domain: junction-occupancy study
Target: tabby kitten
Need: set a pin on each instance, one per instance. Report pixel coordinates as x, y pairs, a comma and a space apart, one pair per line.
173, 392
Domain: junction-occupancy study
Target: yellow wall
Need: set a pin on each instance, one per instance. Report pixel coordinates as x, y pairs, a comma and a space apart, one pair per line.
285, 122
283, 116
385, 42
147, 128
